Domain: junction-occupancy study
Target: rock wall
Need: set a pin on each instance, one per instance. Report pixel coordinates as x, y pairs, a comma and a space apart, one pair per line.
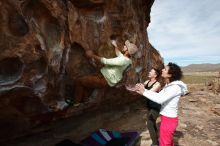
42, 45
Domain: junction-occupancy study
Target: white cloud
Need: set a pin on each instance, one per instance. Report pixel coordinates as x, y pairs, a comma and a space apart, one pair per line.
186, 29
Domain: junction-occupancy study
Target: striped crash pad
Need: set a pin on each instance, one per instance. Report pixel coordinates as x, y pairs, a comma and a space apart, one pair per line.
103, 137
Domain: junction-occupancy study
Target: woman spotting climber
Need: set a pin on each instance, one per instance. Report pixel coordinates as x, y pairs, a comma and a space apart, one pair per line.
168, 97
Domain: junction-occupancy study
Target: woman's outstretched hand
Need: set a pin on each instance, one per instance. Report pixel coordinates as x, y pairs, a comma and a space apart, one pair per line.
139, 88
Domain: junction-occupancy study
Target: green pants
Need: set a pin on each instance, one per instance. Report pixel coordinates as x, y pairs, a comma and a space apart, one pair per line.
152, 127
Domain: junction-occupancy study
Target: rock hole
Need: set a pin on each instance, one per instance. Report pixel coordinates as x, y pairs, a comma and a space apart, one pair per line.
17, 25
10, 70
87, 3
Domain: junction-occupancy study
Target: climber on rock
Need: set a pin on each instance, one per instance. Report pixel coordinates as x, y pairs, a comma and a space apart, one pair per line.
109, 75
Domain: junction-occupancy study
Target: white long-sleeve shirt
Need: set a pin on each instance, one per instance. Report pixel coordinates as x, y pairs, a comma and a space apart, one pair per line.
168, 97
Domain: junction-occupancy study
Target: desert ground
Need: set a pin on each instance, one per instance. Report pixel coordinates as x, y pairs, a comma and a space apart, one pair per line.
199, 120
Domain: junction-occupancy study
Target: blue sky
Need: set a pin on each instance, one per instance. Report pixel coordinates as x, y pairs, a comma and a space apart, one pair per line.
187, 31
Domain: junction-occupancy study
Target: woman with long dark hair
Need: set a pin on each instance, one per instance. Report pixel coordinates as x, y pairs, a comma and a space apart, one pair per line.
168, 97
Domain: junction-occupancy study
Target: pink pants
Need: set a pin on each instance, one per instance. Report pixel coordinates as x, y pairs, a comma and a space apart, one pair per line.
167, 128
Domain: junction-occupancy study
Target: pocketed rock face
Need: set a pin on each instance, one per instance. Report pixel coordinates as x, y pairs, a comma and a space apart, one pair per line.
42, 45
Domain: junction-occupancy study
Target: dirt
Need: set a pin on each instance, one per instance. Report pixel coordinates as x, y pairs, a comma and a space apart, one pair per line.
199, 123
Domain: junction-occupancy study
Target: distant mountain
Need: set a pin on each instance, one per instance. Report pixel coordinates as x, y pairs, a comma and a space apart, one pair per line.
201, 68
